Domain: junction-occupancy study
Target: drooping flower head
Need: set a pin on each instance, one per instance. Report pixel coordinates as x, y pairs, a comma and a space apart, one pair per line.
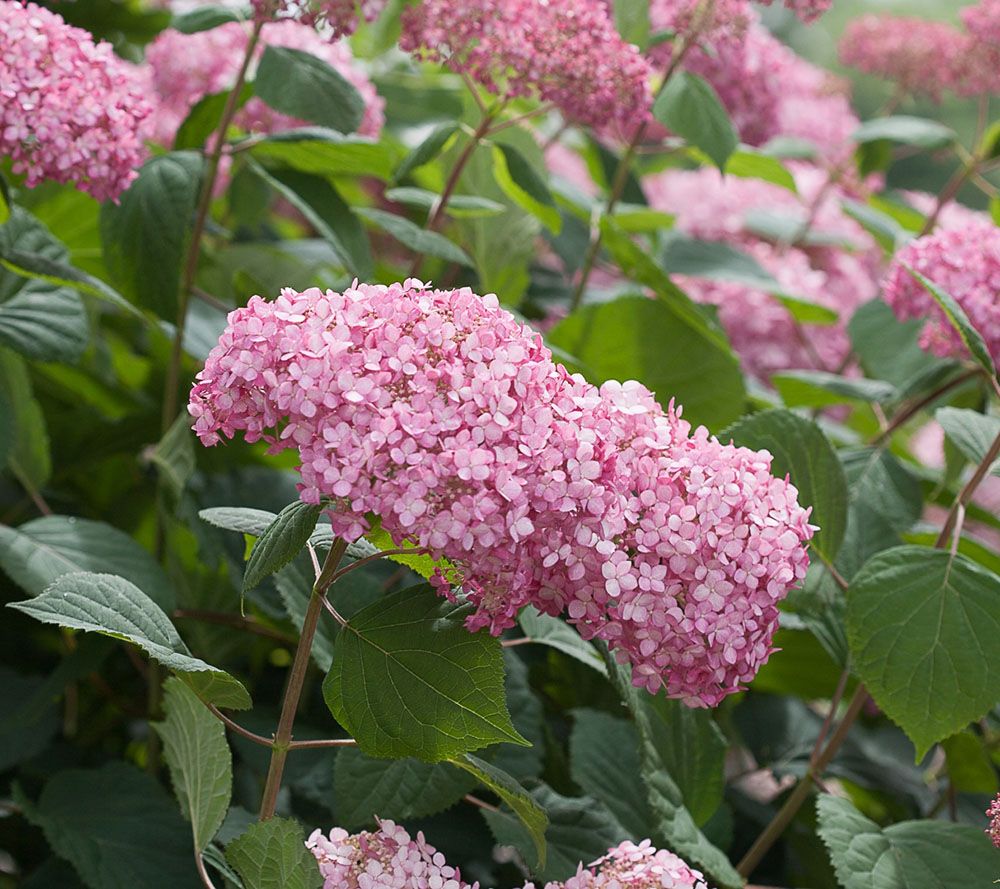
993, 813
70, 109
636, 866
918, 55
387, 858
965, 262
184, 68
441, 414
562, 51
334, 18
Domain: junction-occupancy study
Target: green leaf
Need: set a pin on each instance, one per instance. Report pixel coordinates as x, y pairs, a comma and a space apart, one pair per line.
633, 337
408, 679
883, 227
420, 563
714, 260
969, 767
878, 478
28, 455
305, 87
104, 603
530, 813
174, 455
145, 235
806, 311
273, 855
923, 627
242, 519
419, 240
793, 228
207, 17
466, 206
204, 118
632, 21
326, 211
281, 542
906, 130
673, 820
690, 107
41, 551
324, 152
604, 761
959, 320
117, 827
557, 634
398, 789
888, 348
750, 164
30, 721
972, 432
801, 450
522, 183
527, 714
908, 855
426, 151
817, 388
201, 765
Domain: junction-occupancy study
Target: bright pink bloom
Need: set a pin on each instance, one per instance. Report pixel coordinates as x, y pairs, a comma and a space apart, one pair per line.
442, 415
715, 19
185, 68
335, 18
631, 866
965, 262
920, 56
993, 813
562, 51
807, 10
70, 109
387, 858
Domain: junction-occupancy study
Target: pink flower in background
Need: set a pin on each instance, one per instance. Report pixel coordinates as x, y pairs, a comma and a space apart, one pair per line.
963, 261
807, 10
919, 56
388, 857
993, 813
334, 18
632, 866
441, 414
70, 109
563, 51
699, 19
184, 68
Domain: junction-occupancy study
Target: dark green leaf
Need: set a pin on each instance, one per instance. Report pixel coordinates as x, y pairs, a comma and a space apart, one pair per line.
908, 855
104, 603
923, 627
397, 789
530, 813
145, 235
633, 337
281, 542
690, 107
39, 552
273, 855
714, 260
877, 478
204, 118
426, 151
418, 239
408, 679
802, 451
972, 432
817, 388
28, 453
201, 765
324, 152
117, 827
208, 17
969, 767
459, 205
916, 131
28, 724
557, 634
959, 320
174, 455
522, 183
242, 519
887, 347
304, 86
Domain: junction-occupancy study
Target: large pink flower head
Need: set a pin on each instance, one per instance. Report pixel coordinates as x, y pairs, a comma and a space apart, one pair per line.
562, 51
919, 56
334, 18
993, 813
185, 68
70, 109
965, 262
636, 866
441, 414
387, 858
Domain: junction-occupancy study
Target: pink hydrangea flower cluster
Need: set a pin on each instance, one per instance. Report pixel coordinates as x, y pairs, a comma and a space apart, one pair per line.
993, 813
636, 866
441, 414
563, 51
715, 19
334, 18
70, 109
918, 55
388, 858
963, 261
184, 68
715, 208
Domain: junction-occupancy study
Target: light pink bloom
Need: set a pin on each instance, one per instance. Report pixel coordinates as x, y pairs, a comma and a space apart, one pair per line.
562, 51
70, 109
334, 18
184, 68
636, 866
965, 262
993, 813
715, 19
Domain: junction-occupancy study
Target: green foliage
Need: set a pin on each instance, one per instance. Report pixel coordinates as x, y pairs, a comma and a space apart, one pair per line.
272, 855
523, 185
281, 541
689, 106
409, 680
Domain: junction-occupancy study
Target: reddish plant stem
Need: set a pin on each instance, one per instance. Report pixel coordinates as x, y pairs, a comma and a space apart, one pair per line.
296, 677
965, 495
402, 551
199, 863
